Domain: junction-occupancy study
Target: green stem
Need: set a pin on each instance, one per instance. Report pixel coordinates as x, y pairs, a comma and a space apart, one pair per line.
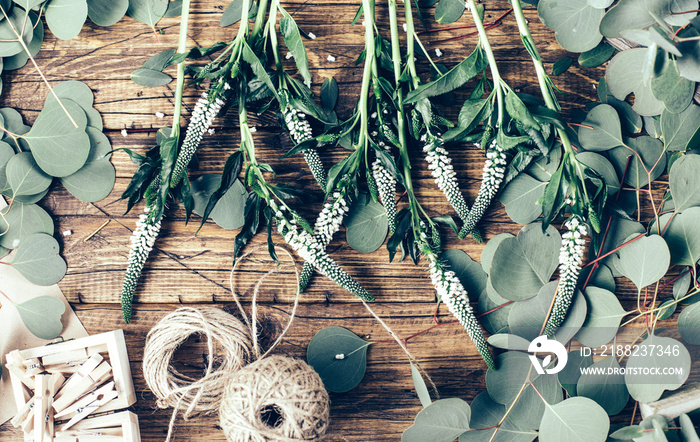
272, 32
180, 86
486, 45
410, 47
259, 20
369, 68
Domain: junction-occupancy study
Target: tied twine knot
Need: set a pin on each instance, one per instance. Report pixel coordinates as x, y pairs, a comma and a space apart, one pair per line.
273, 398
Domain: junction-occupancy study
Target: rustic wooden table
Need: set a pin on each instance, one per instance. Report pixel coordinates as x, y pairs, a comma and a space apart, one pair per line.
194, 270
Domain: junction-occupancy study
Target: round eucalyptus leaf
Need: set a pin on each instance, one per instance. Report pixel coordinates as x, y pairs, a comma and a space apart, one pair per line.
522, 265
625, 76
600, 4
602, 277
645, 260
6, 152
59, 148
19, 60
37, 259
507, 341
635, 14
630, 120
14, 123
496, 320
339, 357
544, 167
27, 199
65, 18
150, 77
9, 41
653, 160
602, 318
679, 130
620, 230
684, 182
527, 317
667, 309
606, 387
24, 176
367, 226
575, 419
487, 413
148, 12
21, 221
229, 210
95, 180
675, 91
442, 421
490, 249
449, 11
106, 12
689, 324
574, 22
601, 165
42, 316
628, 433
504, 384
520, 198
596, 56
652, 369
601, 129
570, 374
81, 94
468, 271
683, 236
681, 286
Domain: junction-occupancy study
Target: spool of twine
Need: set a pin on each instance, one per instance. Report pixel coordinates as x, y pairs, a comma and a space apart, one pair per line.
275, 399
174, 389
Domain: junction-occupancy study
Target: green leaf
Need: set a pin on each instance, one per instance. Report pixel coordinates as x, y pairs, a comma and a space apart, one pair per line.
468, 271
688, 429
625, 75
21, 221
505, 383
596, 56
59, 148
603, 167
667, 309
457, 76
24, 176
150, 77
635, 14
486, 413
507, 341
106, 12
19, 60
257, 67
339, 357
65, 18
233, 12
81, 94
570, 374
526, 317
653, 159
602, 319
683, 236
490, 249
604, 132
676, 92
148, 12
679, 130
574, 22
607, 387
421, 388
228, 211
689, 324
367, 226
37, 259
9, 44
645, 260
666, 355
95, 180
449, 11
628, 433
441, 421
562, 65
329, 94
520, 198
292, 39
522, 265
575, 419
42, 316
159, 61
684, 182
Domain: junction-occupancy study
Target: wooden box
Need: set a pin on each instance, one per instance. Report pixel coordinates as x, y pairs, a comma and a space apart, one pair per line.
107, 352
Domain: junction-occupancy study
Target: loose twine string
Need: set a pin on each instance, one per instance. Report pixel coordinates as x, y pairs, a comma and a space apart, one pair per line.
240, 346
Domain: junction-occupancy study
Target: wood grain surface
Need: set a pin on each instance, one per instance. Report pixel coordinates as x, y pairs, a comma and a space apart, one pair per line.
194, 270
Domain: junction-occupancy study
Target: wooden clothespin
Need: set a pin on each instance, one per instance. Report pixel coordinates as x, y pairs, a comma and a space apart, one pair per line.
86, 400
22, 414
55, 382
91, 380
73, 356
94, 401
32, 367
77, 377
14, 365
41, 405
89, 438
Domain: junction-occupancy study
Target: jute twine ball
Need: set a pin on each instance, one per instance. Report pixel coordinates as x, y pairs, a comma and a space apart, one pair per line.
224, 334
275, 399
